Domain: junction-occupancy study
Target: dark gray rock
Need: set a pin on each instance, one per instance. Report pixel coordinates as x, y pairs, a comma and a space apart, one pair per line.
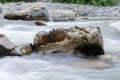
6, 47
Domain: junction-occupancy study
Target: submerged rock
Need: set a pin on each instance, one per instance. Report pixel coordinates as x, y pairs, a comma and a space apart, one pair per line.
37, 12
63, 15
6, 46
85, 41
40, 23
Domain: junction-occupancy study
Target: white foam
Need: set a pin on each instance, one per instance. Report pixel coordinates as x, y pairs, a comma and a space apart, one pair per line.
116, 25
71, 23
20, 34
36, 68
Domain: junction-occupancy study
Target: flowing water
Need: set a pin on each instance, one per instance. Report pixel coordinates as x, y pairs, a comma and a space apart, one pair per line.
59, 67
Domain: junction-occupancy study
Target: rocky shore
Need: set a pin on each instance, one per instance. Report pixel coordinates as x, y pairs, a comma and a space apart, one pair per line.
80, 10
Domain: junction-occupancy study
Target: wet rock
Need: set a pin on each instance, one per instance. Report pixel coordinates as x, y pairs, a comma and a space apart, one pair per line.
63, 15
40, 23
6, 47
85, 41
37, 12
24, 49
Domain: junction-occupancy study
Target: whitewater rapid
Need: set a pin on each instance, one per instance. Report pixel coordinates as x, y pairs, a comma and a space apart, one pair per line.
59, 67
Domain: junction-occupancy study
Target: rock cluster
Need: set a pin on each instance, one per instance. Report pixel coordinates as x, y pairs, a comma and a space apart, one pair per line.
58, 11
6, 47
86, 41
40, 12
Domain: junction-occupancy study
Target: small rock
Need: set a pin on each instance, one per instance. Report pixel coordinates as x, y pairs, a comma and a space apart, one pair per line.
40, 23
25, 49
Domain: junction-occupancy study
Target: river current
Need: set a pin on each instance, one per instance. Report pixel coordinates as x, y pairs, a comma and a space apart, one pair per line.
59, 67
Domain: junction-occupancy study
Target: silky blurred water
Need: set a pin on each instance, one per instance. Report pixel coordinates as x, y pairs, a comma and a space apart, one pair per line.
59, 67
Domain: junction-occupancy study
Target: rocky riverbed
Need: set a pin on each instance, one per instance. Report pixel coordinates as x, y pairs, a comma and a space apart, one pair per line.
80, 10
54, 66
60, 67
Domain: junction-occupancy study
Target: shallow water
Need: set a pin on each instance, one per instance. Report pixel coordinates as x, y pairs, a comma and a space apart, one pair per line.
59, 67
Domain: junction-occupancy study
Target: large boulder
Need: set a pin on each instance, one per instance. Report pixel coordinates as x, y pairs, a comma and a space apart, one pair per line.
62, 15
37, 12
6, 46
85, 41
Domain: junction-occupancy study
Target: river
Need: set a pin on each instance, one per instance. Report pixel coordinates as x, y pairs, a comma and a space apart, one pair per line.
59, 67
